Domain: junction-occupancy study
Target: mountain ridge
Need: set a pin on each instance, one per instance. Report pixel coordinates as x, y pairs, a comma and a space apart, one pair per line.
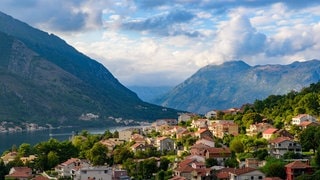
51, 82
235, 83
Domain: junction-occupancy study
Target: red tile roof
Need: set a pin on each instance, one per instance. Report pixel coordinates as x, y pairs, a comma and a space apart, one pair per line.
270, 131
297, 165
280, 139
21, 172
178, 178
272, 178
243, 170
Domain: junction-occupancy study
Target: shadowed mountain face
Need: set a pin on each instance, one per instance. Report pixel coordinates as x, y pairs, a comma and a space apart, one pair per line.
235, 83
45, 80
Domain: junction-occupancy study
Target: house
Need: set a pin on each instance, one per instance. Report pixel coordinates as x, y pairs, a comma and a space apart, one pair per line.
93, 172
19, 173
206, 142
284, 133
246, 173
281, 145
257, 128
297, 168
125, 135
211, 114
219, 129
253, 163
301, 118
220, 154
201, 133
185, 117
30, 158
199, 123
192, 169
67, 168
182, 132
10, 156
165, 144
120, 174
223, 174
111, 143
306, 124
268, 133
138, 147
199, 149
137, 138
169, 122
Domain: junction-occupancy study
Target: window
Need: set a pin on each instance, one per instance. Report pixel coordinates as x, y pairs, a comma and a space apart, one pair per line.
260, 177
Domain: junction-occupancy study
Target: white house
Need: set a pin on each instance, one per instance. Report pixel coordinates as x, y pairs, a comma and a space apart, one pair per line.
281, 145
65, 169
302, 118
211, 114
96, 172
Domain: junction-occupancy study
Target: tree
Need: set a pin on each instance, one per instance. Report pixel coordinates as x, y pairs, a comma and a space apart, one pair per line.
25, 150
52, 159
251, 118
164, 163
3, 169
107, 134
98, 154
274, 168
236, 145
211, 162
309, 138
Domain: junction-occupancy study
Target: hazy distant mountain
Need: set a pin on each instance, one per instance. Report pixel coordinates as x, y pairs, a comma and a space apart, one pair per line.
235, 83
147, 93
45, 80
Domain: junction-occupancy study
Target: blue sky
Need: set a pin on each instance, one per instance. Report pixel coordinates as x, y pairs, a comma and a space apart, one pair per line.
163, 42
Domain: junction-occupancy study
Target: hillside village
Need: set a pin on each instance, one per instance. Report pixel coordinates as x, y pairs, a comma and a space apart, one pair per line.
190, 147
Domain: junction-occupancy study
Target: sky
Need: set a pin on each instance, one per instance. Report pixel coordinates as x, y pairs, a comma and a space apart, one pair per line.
163, 42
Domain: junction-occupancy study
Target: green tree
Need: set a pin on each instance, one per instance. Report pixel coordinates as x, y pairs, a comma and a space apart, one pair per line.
274, 168
236, 145
52, 159
164, 163
309, 138
25, 150
3, 169
251, 118
211, 162
98, 154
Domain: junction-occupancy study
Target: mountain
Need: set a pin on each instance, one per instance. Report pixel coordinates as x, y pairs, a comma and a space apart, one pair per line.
147, 93
45, 80
235, 83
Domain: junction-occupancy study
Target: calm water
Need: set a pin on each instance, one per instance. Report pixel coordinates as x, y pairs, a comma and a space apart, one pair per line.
7, 140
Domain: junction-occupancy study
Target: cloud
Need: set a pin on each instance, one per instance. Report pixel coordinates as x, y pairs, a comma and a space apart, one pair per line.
57, 15
237, 39
167, 23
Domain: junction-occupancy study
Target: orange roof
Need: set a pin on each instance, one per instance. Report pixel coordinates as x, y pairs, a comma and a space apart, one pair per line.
136, 145
297, 165
178, 178
21, 172
270, 131
243, 170
219, 150
70, 161
202, 131
272, 178
307, 123
280, 139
